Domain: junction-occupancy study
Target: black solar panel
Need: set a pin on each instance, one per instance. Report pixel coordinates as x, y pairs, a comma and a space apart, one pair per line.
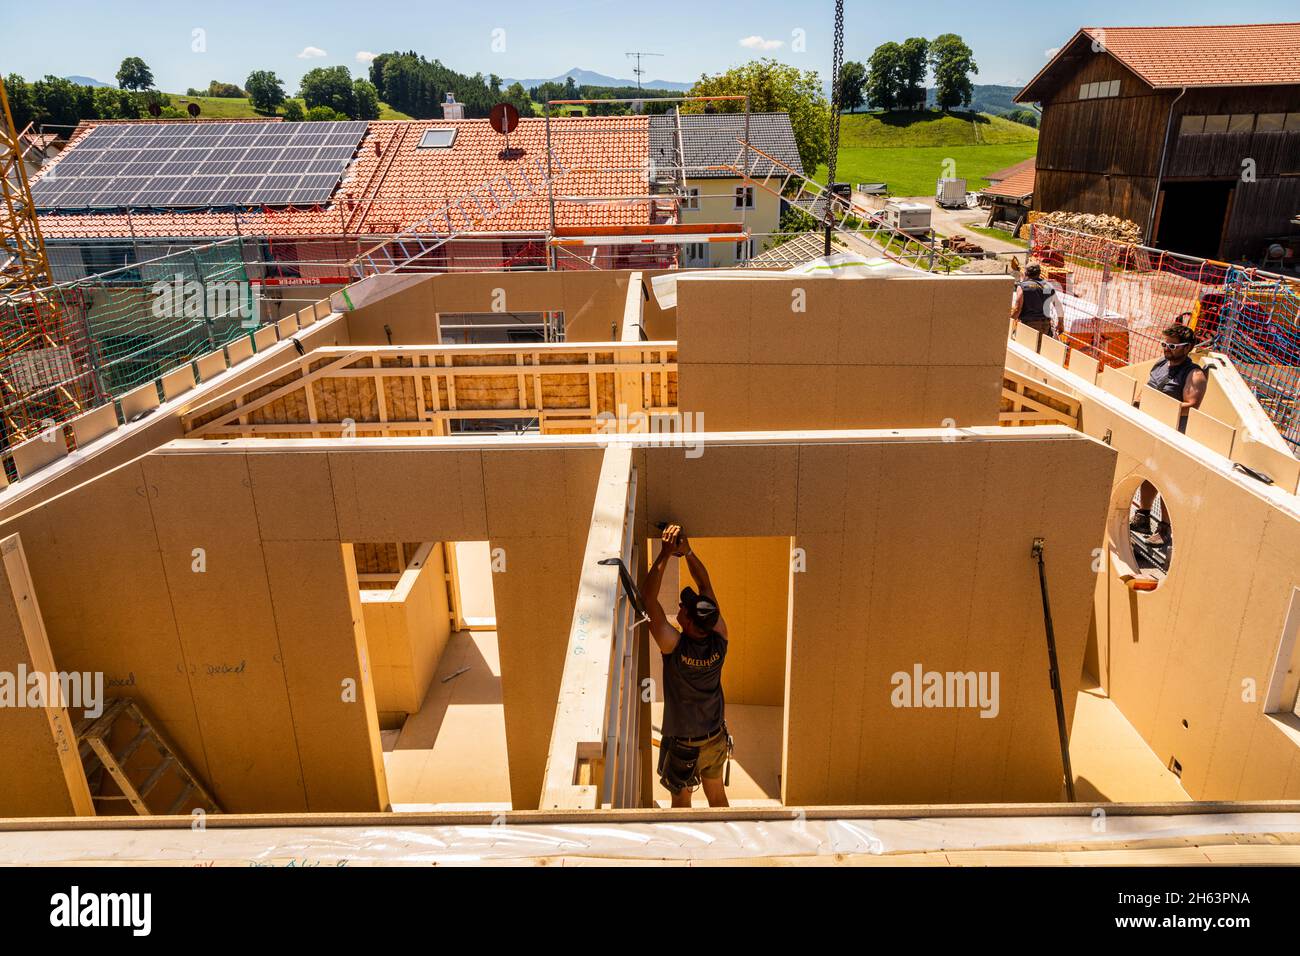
200, 164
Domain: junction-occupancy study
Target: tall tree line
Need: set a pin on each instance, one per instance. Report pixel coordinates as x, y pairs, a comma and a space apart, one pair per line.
894, 77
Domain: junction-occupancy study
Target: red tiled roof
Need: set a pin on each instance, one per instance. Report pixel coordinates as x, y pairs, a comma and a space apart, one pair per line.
1258, 54
1016, 186
386, 192
1002, 174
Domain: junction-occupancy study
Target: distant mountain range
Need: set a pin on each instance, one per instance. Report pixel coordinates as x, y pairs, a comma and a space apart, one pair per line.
589, 78
86, 81
988, 98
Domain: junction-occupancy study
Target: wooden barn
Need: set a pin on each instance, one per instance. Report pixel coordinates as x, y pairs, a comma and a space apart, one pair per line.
1191, 132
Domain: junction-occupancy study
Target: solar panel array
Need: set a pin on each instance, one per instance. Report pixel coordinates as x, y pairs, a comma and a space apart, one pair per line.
202, 165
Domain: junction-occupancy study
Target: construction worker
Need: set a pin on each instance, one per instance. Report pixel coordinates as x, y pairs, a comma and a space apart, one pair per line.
1178, 377
695, 745
1035, 301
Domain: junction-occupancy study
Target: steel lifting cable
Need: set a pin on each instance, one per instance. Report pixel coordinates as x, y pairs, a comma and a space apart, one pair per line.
837, 62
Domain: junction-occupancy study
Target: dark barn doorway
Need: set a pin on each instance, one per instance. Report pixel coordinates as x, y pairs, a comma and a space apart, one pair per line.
1193, 217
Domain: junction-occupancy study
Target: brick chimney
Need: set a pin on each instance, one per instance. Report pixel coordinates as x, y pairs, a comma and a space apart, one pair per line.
451, 110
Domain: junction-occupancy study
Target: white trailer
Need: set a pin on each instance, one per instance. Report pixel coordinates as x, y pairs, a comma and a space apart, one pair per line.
950, 193
912, 218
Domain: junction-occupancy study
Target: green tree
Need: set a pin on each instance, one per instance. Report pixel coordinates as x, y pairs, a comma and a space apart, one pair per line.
117, 104
265, 90
914, 54
318, 114
852, 77
366, 100
21, 102
884, 76
224, 90
776, 87
517, 97
570, 89
1026, 117
953, 63
293, 112
134, 74
329, 86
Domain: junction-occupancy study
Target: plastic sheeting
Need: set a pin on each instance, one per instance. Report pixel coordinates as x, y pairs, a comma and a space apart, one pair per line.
645, 842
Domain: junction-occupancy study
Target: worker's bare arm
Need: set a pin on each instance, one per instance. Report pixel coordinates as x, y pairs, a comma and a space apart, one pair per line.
1017, 300
664, 634
701, 576
1194, 388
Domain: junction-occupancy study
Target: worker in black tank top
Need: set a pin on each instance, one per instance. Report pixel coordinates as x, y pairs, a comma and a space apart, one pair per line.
1177, 376
695, 745
1035, 302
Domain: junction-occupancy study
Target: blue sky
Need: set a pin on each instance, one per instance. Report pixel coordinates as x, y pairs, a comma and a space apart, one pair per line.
1010, 40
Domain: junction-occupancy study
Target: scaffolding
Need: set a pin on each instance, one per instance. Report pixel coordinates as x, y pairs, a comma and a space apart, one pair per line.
124, 328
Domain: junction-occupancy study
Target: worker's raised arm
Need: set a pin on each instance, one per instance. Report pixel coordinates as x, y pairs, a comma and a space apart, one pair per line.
664, 634
701, 576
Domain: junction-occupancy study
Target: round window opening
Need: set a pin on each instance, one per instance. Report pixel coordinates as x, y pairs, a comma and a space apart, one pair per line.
1142, 533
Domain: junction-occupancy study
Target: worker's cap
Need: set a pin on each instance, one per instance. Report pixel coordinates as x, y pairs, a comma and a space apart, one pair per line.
702, 611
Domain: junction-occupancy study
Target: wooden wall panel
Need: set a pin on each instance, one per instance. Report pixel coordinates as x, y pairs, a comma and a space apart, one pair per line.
874, 601
1181, 661
902, 353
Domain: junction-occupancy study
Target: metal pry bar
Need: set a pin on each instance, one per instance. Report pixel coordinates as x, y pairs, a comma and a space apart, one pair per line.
629, 588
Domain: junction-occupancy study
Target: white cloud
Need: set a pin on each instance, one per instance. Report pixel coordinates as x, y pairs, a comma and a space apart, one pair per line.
311, 52
365, 56
1052, 52
758, 43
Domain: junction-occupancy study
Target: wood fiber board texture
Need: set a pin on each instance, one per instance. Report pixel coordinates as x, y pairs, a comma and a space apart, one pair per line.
750, 577
35, 453
239, 350
1163, 408
178, 382
139, 400
539, 513
99, 578
211, 365
1210, 432
1054, 350
225, 616
1182, 652
38, 747
809, 353
874, 602
264, 338
86, 428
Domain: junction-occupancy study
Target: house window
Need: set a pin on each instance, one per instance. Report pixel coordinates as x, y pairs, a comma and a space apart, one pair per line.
1114, 88
437, 138
695, 254
744, 197
1092, 91
744, 250
1292, 122
1085, 91
1270, 122
1241, 122
1191, 124
1216, 124
692, 198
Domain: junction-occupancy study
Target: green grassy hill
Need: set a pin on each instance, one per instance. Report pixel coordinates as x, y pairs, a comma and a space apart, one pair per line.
931, 128
225, 107
910, 151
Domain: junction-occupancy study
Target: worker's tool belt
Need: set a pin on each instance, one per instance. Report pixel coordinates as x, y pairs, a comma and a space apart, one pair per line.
679, 759
677, 764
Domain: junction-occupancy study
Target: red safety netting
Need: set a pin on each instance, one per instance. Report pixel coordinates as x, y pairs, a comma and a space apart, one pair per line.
1120, 297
